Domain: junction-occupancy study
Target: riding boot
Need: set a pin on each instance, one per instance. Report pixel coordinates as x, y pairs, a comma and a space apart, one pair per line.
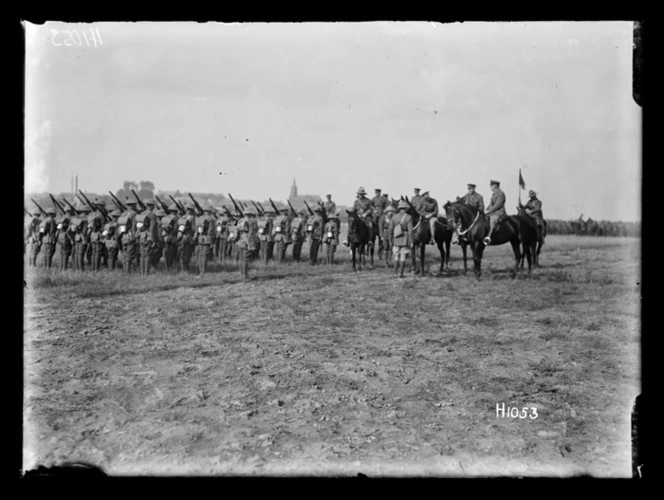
396, 268
487, 240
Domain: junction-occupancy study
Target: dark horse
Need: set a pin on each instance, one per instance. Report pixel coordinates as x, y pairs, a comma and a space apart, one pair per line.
537, 248
359, 240
422, 235
473, 226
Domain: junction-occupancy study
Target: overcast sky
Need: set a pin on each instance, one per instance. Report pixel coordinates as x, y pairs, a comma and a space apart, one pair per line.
338, 106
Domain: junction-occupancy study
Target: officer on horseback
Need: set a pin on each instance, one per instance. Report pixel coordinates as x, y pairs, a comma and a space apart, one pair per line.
533, 208
363, 207
429, 210
474, 199
496, 209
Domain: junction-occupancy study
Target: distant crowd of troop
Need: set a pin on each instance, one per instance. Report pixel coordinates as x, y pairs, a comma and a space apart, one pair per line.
138, 234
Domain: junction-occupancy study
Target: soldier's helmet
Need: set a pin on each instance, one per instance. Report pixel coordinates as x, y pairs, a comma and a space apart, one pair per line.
50, 211
189, 205
250, 211
100, 203
115, 213
208, 208
83, 208
150, 201
403, 204
131, 202
532, 193
160, 213
172, 208
389, 208
361, 191
36, 212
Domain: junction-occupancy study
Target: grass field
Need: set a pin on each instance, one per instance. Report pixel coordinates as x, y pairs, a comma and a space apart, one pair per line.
318, 370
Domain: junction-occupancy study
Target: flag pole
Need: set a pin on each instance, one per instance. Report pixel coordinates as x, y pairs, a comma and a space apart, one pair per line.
520, 187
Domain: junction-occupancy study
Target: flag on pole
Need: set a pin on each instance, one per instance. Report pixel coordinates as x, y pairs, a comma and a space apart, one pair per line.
522, 183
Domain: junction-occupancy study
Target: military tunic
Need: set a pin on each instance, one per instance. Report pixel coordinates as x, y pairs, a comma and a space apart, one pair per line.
402, 243
474, 200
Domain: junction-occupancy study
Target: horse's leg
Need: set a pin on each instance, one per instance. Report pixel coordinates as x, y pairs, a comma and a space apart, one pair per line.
477, 258
516, 247
464, 251
423, 249
413, 255
371, 255
352, 252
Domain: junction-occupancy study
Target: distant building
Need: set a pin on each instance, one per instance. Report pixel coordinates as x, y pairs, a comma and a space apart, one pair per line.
298, 200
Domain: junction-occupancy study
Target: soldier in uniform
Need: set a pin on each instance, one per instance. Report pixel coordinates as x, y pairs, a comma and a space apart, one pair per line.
265, 226
315, 230
281, 234
169, 231
385, 231
379, 203
400, 233
81, 239
474, 199
65, 239
331, 237
48, 236
100, 206
329, 206
33, 237
204, 238
298, 234
127, 233
533, 208
145, 241
496, 209
95, 238
416, 200
363, 207
222, 235
248, 243
154, 232
429, 207
111, 236
185, 236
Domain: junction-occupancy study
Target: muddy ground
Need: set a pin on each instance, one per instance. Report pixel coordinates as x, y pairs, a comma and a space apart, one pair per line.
317, 370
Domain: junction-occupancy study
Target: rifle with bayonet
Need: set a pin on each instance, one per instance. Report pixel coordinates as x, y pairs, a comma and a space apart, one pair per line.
239, 210
92, 206
228, 212
138, 199
311, 212
292, 209
164, 207
178, 204
274, 205
57, 205
71, 207
117, 202
258, 209
199, 209
43, 212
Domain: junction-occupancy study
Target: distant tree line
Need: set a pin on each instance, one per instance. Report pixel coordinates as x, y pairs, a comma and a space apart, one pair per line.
590, 227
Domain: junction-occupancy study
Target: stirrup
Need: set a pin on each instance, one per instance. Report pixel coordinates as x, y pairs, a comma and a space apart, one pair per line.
487, 241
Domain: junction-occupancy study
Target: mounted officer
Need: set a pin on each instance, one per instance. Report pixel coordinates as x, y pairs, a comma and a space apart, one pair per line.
416, 200
429, 210
496, 209
474, 199
363, 207
533, 208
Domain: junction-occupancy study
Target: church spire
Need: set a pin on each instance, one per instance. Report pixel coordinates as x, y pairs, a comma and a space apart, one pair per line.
293, 191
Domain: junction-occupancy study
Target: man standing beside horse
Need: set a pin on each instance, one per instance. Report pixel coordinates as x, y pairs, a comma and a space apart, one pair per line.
400, 233
496, 209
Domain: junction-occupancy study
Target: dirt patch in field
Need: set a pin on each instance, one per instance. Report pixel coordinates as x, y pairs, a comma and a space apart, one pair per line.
324, 371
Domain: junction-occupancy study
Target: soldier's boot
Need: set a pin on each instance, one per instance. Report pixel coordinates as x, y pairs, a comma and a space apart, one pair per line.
402, 266
432, 226
487, 240
396, 268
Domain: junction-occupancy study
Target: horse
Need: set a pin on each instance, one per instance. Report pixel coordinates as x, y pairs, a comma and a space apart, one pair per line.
473, 225
537, 248
359, 240
422, 236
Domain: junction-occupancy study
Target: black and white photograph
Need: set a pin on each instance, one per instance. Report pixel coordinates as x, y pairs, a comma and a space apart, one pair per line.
388, 249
